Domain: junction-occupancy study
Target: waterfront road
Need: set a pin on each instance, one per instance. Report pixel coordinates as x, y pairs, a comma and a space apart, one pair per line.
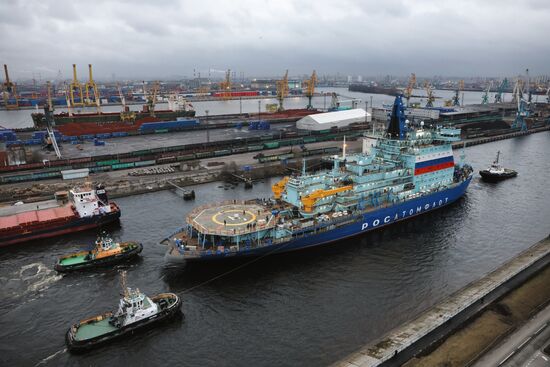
524, 347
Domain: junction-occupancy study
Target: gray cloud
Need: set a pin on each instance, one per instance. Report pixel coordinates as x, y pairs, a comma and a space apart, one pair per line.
158, 39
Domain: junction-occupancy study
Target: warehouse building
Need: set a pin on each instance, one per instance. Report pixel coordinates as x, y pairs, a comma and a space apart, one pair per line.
323, 121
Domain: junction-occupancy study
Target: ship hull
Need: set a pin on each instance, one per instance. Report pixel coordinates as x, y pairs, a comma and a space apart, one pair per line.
93, 123
75, 225
367, 222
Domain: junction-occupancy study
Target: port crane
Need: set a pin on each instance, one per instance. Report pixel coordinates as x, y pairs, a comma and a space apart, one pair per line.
50, 122
151, 98
456, 98
409, 89
310, 89
76, 88
500, 91
430, 94
125, 115
92, 92
282, 90
9, 89
225, 85
522, 109
485, 98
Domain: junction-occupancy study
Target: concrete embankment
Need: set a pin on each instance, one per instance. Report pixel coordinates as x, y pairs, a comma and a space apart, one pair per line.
431, 338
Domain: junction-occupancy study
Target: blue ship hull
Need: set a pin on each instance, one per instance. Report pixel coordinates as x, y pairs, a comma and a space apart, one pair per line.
369, 221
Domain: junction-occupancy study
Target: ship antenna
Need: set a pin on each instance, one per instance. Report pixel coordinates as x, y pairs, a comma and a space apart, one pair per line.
344, 148
123, 283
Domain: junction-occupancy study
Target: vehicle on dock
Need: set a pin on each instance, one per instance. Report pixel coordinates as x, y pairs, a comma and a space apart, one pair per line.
404, 173
496, 172
79, 209
136, 312
106, 252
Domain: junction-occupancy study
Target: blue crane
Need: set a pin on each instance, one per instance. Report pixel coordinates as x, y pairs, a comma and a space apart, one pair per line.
500, 90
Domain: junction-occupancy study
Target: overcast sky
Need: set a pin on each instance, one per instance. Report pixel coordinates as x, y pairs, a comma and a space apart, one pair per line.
168, 38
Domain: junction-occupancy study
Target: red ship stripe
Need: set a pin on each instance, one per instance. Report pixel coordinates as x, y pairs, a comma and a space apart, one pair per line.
435, 167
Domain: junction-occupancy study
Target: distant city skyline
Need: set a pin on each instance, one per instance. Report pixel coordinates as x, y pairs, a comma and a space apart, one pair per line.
176, 39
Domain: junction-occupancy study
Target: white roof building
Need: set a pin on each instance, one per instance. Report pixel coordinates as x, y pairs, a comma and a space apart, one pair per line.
323, 121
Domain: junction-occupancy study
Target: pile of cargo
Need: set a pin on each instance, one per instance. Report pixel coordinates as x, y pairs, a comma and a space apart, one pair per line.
151, 171
258, 125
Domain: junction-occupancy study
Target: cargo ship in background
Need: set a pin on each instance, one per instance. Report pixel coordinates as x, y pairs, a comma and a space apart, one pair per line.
77, 210
365, 88
76, 124
405, 173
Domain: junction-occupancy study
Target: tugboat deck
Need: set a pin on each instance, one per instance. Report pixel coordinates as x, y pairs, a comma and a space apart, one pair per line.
92, 330
232, 218
73, 260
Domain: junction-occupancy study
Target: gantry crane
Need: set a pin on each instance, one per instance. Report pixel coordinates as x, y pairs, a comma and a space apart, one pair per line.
430, 94
76, 86
500, 91
225, 85
282, 90
9, 89
310, 89
92, 93
410, 87
456, 98
485, 98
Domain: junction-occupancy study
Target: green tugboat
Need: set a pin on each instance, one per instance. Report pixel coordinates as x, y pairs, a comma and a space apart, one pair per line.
136, 311
106, 252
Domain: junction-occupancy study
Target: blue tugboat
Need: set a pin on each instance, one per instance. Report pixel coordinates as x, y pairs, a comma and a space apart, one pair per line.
404, 173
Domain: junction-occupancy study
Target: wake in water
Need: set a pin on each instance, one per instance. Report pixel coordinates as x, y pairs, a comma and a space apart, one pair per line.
49, 358
31, 278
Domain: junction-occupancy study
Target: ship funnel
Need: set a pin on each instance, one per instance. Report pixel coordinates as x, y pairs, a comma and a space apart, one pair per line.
397, 128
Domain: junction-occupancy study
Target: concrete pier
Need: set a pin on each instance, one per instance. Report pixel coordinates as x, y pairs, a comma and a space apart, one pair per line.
436, 323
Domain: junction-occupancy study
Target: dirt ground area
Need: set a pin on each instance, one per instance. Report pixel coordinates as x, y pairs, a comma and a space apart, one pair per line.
490, 326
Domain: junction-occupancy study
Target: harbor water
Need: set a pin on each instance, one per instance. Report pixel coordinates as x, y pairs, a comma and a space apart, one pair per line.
22, 118
309, 308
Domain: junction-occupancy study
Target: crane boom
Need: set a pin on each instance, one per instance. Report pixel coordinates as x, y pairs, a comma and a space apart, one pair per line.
410, 86
9, 89
310, 89
282, 90
309, 200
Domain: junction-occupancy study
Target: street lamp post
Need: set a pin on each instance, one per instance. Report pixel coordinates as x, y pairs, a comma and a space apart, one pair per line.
207, 128
259, 109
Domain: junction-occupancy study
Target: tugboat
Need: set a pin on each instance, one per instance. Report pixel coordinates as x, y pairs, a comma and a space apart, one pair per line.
496, 172
136, 311
106, 252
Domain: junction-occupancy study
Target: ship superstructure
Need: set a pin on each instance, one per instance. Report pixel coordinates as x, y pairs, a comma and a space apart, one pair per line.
81, 208
406, 172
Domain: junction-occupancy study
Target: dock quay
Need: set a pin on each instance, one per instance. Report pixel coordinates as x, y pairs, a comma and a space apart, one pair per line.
439, 322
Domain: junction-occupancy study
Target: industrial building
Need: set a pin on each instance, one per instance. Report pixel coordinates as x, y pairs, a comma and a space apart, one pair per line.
323, 121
